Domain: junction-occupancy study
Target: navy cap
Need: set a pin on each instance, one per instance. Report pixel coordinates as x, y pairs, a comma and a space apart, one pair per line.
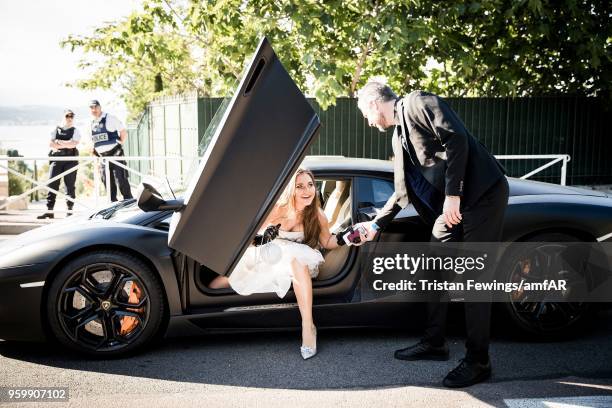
94, 102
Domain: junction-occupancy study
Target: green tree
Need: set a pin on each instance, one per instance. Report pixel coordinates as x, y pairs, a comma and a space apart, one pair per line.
17, 185
145, 55
520, 48
452, 47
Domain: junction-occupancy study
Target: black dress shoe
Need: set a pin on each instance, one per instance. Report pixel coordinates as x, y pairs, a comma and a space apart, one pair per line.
45, 215
423, 351
467, 373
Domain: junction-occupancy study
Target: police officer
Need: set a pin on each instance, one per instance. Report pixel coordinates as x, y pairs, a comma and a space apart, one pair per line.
64, 140
108, 135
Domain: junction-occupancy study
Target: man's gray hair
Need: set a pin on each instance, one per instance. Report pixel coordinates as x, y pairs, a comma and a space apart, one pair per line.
376, 91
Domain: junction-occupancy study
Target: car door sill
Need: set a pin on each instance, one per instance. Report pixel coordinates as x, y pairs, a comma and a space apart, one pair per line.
262, 307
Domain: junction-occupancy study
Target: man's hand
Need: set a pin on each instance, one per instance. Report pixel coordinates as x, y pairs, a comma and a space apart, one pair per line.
123, 135
370, 232
451, 213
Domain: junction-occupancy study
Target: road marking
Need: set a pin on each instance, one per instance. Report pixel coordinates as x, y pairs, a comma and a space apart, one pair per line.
595, 401
598, 386
604, 237
32, 284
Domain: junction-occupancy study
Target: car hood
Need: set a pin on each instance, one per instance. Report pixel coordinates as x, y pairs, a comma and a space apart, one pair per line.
49, 231
519, 187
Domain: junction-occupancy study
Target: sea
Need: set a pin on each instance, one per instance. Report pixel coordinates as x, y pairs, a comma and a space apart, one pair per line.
30, 140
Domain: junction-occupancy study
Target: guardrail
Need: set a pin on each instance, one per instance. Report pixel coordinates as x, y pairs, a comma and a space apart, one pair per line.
554, 158
179, 183
94, 161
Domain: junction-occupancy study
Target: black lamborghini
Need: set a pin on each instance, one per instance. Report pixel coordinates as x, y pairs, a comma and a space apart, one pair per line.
108, 283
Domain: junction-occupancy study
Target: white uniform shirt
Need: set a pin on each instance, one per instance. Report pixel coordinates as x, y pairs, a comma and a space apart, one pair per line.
113, 124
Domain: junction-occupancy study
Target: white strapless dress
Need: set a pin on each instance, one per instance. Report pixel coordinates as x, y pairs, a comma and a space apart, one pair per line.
267, 268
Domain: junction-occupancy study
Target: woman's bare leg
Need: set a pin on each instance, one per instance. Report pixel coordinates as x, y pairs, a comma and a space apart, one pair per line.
219, 282
302, 287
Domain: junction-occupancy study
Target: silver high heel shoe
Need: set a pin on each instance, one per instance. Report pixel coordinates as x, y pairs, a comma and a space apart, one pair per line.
309, 352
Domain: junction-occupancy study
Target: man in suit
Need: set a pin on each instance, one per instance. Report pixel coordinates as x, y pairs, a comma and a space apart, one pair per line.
456, 186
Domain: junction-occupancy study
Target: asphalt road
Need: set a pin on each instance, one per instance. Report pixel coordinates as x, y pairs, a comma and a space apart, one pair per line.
353, 368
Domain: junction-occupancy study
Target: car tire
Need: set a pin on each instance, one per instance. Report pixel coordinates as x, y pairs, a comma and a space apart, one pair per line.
105, 304
529, 318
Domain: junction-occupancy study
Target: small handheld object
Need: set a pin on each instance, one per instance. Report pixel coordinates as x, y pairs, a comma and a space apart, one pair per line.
353, 236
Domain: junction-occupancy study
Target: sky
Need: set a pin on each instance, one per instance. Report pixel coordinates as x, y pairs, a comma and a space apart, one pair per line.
34, 68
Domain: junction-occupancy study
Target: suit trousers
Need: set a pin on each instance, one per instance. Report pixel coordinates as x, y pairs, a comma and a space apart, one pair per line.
481, 222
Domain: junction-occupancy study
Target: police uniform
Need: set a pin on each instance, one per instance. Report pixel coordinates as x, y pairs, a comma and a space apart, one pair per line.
57, 167
105, 136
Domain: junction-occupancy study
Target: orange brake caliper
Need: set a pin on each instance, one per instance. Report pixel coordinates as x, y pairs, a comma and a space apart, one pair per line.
128, 323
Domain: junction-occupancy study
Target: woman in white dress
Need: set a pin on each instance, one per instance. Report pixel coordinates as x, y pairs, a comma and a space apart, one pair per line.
293, 257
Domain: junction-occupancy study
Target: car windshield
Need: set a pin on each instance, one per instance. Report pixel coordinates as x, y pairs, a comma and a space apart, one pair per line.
204, 142
118, 211
211, 129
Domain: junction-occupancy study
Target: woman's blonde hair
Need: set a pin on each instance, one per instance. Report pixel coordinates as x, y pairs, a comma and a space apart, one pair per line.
310, 214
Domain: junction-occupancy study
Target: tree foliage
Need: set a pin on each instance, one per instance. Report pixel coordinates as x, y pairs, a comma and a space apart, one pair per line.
16, 184
451, 47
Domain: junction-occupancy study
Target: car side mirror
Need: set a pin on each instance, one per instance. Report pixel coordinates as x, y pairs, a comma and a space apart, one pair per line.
151, 200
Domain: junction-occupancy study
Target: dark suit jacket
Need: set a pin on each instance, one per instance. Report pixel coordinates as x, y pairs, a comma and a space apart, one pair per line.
447, 155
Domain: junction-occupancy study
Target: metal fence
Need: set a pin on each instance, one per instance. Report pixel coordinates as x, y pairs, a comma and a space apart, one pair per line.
544, 125
571, 126
168, 127
95, 192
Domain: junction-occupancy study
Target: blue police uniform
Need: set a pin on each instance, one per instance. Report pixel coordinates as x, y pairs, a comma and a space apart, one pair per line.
108, 143
58, 167
104, 140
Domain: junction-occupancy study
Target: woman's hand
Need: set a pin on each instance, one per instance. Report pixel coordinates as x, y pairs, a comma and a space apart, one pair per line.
340, 235
268, 235
370, 232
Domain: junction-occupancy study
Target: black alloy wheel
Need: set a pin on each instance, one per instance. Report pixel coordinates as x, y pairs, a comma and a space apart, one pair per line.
545, 316
105, 303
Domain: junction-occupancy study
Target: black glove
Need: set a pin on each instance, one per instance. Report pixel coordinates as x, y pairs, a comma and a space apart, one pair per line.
340, 236
268, 235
